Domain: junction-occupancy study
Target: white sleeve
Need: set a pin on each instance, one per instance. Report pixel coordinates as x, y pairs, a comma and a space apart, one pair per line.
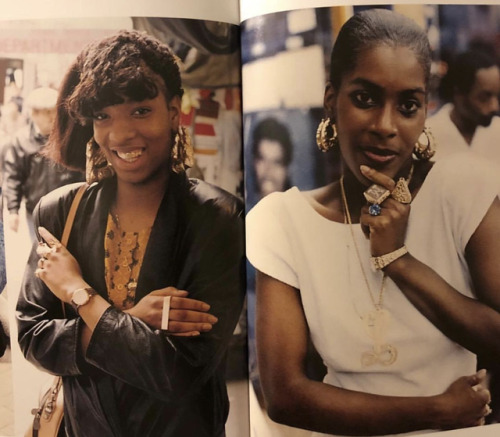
470, 185
268, 244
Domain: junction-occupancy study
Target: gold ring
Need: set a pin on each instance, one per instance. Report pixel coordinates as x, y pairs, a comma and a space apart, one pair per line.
402, 193
376, 194
43, 249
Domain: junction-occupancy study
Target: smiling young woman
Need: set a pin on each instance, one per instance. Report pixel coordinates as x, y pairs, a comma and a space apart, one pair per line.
136, 137
149, 246
389, 269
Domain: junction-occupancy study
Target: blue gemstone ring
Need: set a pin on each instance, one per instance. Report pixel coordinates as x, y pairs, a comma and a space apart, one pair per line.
374, 209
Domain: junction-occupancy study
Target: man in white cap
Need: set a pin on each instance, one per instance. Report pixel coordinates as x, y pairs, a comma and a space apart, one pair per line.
27, 174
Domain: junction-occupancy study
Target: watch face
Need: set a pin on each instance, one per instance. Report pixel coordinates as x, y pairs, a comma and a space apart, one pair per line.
80, 297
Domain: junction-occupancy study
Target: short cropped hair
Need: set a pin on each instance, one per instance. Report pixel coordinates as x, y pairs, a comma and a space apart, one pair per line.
461, 73
272, 129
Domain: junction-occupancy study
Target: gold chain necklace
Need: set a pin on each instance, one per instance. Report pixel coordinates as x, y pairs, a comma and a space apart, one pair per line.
131, 284
377, 321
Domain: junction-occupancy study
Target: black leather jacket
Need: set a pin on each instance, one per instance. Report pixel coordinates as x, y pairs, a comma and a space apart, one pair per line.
133, 382
27, 174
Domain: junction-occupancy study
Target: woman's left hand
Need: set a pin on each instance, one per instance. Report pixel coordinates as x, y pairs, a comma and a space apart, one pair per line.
386, 231
57, 268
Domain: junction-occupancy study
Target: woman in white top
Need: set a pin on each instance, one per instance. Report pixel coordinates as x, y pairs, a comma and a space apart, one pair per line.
397, 298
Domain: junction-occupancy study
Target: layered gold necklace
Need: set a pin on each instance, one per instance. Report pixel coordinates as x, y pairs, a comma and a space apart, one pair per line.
376, 322
124, 254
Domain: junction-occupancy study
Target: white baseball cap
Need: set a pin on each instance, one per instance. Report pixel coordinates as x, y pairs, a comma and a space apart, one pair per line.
42, 98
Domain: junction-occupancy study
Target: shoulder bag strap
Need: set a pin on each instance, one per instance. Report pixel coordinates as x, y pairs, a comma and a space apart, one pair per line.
71, 215
69, 223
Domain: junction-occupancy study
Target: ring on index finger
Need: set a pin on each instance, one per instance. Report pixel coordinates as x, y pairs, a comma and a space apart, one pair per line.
52, 243
376, 194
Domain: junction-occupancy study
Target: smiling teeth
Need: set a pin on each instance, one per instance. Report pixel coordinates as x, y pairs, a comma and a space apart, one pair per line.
130, 156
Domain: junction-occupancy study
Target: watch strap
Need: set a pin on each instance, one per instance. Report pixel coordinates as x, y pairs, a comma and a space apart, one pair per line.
379, 262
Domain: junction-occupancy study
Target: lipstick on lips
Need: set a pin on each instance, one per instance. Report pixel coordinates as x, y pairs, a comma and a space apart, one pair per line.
378, 155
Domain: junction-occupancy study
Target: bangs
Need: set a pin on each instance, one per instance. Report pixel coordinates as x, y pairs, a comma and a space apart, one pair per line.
114, 86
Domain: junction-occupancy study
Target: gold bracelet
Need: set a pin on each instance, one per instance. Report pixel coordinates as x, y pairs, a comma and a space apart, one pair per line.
379, 262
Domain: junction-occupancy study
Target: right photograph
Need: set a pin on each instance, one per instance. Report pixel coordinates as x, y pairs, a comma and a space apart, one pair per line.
373, 219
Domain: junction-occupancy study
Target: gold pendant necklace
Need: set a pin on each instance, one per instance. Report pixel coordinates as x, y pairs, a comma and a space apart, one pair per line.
376, 322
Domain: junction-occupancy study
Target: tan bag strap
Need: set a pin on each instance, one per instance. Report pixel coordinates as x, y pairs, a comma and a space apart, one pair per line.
48, 403
72, 214
69, 223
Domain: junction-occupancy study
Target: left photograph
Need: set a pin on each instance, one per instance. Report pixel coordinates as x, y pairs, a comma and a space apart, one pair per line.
123, 223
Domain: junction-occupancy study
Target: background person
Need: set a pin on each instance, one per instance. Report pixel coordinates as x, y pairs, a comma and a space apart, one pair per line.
469, 121
399, 341
155, 233
27, 175
4, 325
272, 152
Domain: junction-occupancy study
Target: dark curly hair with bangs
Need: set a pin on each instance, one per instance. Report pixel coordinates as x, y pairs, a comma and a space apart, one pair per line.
129, 65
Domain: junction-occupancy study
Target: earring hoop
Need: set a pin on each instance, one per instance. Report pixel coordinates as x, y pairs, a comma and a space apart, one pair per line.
326, 135
425, 150
97, 166
182, 151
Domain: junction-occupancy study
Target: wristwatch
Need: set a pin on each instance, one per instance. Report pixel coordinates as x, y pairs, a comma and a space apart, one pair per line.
82, 296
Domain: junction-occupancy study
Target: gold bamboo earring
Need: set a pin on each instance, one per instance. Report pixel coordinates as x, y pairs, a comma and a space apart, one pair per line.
326, 135
97, 167
182, 151
425, 150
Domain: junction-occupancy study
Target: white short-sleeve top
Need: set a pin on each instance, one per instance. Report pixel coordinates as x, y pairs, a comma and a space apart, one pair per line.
288, 240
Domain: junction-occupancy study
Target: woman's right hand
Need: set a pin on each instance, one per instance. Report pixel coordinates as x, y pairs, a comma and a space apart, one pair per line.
187, 317
465, 403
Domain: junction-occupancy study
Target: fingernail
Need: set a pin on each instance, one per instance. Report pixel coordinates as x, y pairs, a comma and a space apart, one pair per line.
206, 306
365, 169
195, 334
481, 373
213, 319
207, 326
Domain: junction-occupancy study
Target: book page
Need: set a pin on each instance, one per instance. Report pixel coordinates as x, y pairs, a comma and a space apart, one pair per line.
215, 10
250, 8
38, 43
286, 48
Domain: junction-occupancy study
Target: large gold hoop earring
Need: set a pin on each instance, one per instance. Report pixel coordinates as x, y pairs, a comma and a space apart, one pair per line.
97, 167
425, 150
326, 135
182, 151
